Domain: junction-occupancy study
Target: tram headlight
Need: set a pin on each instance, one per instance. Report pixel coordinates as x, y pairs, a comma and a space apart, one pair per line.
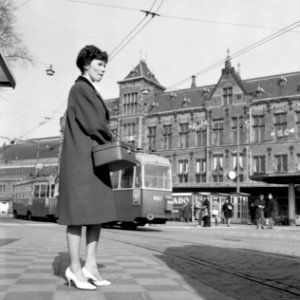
136, 197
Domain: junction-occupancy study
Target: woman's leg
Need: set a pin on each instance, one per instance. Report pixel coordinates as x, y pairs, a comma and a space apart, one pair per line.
92, 239
73, 241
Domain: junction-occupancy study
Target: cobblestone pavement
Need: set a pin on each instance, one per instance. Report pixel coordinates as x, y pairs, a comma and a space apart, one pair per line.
33, 258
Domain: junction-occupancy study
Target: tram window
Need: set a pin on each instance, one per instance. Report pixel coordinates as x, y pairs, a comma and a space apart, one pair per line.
43, 190
157, 176
52, 190
114, 178
127, 178
138, 179
36, 191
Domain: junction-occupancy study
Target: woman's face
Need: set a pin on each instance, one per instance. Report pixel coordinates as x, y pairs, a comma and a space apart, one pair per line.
95, 70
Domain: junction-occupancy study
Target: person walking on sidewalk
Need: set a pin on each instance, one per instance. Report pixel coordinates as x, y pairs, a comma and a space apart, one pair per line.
228, 211
259, 212
215, 212
85, 193
205, 212
271, 210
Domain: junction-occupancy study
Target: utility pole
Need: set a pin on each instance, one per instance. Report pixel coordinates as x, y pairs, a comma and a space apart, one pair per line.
238, 156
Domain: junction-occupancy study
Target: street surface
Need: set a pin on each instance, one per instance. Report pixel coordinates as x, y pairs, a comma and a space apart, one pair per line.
160, 262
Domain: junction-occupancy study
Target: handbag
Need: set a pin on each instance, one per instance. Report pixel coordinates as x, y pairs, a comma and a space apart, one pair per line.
115, 155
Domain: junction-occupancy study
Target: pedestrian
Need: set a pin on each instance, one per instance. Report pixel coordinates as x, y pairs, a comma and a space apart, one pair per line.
259, 212
252, 211
205, 212
271, 210
85, 193
187, 212
228, 211
215, 212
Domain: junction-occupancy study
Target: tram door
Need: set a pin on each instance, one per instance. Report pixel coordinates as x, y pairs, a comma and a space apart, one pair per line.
241, 211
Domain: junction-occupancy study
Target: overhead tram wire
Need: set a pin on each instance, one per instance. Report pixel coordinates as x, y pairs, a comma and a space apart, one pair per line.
128, 41
125, 40
105, 5
219, 22
242, 51
45, 119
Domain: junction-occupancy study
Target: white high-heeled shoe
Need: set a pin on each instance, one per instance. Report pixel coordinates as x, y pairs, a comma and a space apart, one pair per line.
79, 284
97, 282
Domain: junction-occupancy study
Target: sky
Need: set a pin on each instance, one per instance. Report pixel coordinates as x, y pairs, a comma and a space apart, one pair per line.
184, 39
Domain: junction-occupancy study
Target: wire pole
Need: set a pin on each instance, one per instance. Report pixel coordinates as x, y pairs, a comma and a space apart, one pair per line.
238, 156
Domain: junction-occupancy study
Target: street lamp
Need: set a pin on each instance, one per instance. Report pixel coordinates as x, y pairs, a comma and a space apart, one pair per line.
50, 71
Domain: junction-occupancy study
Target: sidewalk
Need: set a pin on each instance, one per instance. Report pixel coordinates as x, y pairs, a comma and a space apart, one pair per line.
33, 260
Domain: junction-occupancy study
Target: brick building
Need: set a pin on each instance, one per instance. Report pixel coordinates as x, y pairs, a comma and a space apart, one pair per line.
250, 127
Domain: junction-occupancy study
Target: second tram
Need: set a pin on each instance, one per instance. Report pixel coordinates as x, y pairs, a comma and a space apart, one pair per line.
34, 198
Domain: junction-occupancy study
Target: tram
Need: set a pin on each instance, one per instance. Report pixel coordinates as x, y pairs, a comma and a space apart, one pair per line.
143, 194
34, 198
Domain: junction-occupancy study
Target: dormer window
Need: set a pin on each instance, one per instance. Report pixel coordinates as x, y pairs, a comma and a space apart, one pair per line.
259, 91
154, 106
282, 81
173, 95
186, 101
205, 91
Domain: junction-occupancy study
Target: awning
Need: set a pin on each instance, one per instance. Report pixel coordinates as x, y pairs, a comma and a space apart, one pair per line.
277, 178
6, 77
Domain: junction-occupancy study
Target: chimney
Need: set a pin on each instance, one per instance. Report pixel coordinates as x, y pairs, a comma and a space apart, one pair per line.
193, 85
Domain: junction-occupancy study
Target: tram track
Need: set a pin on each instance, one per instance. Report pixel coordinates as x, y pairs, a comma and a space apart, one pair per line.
163, 243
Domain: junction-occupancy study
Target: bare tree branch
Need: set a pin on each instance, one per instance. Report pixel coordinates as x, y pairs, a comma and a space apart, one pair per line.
11, 44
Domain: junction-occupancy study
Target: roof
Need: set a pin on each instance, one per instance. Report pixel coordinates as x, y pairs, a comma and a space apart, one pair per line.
142, 71
6, 77
44, 148
274, 86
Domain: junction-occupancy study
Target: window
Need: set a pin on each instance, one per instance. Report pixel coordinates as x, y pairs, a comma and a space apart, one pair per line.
298, 162
157, 176
218, 162
227, 96
127, 178
201, 137
2, 188
237, 130
217, 178
259, 164
217, 128
298, 123
259, 128
152, 137
167, 136
280, 123
114, 178
281, 163
36, 192
130, 103
234, 161
200, 170
183, 171
43, 190
184, 135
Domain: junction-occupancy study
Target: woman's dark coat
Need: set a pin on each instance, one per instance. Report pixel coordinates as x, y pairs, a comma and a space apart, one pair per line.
85, 194
228, 213
259, 212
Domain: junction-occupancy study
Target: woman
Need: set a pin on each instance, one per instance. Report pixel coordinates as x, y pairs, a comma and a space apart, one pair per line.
205, 213
260, 205
228, 211
85, 194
